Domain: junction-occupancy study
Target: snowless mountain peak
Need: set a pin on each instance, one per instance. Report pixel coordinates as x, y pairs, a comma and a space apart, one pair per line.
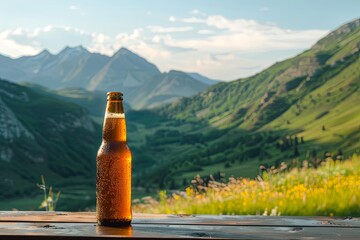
78, 50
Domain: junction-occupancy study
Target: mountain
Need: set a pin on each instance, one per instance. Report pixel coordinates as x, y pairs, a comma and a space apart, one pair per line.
42, 135
9, 68
165, 88
306, 107
143, 84
203, 79
125, 71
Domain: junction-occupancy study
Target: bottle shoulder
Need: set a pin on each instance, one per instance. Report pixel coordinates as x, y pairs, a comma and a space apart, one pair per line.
113, 146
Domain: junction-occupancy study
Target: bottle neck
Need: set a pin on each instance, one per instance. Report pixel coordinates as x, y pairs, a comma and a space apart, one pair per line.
114, 122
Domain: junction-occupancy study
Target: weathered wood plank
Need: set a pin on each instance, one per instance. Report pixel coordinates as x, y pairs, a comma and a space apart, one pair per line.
17, 230
223, 220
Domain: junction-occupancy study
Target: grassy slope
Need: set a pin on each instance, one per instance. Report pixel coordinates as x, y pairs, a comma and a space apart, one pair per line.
221, 105
330, 190
233, 123
337, 100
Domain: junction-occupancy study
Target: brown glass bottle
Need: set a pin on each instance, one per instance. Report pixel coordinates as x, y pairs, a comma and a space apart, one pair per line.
113, 176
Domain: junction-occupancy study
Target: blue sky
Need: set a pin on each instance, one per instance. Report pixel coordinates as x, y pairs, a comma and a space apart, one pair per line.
221, 39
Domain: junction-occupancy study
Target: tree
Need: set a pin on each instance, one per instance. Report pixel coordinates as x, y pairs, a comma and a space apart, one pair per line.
314, 158
172, 184
262, 154
296, 151
285, 144
185, 182
291, 140
296, 140
227, 165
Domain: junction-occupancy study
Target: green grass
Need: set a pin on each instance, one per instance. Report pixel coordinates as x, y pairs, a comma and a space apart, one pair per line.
70, 200
74, 198
23, 204
339, 96
333, 189
246, 169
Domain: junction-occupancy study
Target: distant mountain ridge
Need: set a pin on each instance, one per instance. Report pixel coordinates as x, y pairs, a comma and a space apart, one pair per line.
143, 84
203, 79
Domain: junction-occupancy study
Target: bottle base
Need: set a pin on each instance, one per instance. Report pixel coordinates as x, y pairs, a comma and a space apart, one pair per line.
114, 222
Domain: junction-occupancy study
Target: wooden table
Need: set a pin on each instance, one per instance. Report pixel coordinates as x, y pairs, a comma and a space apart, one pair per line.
66, 225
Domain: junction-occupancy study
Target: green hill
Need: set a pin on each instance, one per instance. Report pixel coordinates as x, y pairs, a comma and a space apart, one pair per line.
93, 101
303, 107
42, 135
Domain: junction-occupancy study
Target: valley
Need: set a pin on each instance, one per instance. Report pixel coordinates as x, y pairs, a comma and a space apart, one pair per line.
303, 108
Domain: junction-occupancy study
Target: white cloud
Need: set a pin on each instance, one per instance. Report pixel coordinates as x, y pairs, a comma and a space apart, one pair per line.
264, 9
73, 8
77, 10
218, 52
205, 31
19, 42
191, 20
197, 12
137, 42
226, 57
38, 31
101, 43
245, 35
12, 48
29, 42
233, 25
163, 39
159, 29
18, 31
187, 20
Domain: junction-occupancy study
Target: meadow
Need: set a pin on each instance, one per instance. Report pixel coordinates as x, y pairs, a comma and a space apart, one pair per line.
332, 189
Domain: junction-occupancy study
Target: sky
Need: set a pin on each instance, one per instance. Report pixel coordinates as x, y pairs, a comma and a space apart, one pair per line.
223, 40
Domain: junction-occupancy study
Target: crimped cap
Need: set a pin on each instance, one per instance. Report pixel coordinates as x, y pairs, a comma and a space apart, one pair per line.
115, 96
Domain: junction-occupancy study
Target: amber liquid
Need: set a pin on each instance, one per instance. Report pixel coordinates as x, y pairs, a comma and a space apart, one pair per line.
113, 183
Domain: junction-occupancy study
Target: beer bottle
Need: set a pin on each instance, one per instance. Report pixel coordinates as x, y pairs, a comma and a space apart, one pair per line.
113, 176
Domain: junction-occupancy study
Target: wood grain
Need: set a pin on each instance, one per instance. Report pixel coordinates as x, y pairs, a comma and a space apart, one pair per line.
157, 231
89, 217
82, 225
